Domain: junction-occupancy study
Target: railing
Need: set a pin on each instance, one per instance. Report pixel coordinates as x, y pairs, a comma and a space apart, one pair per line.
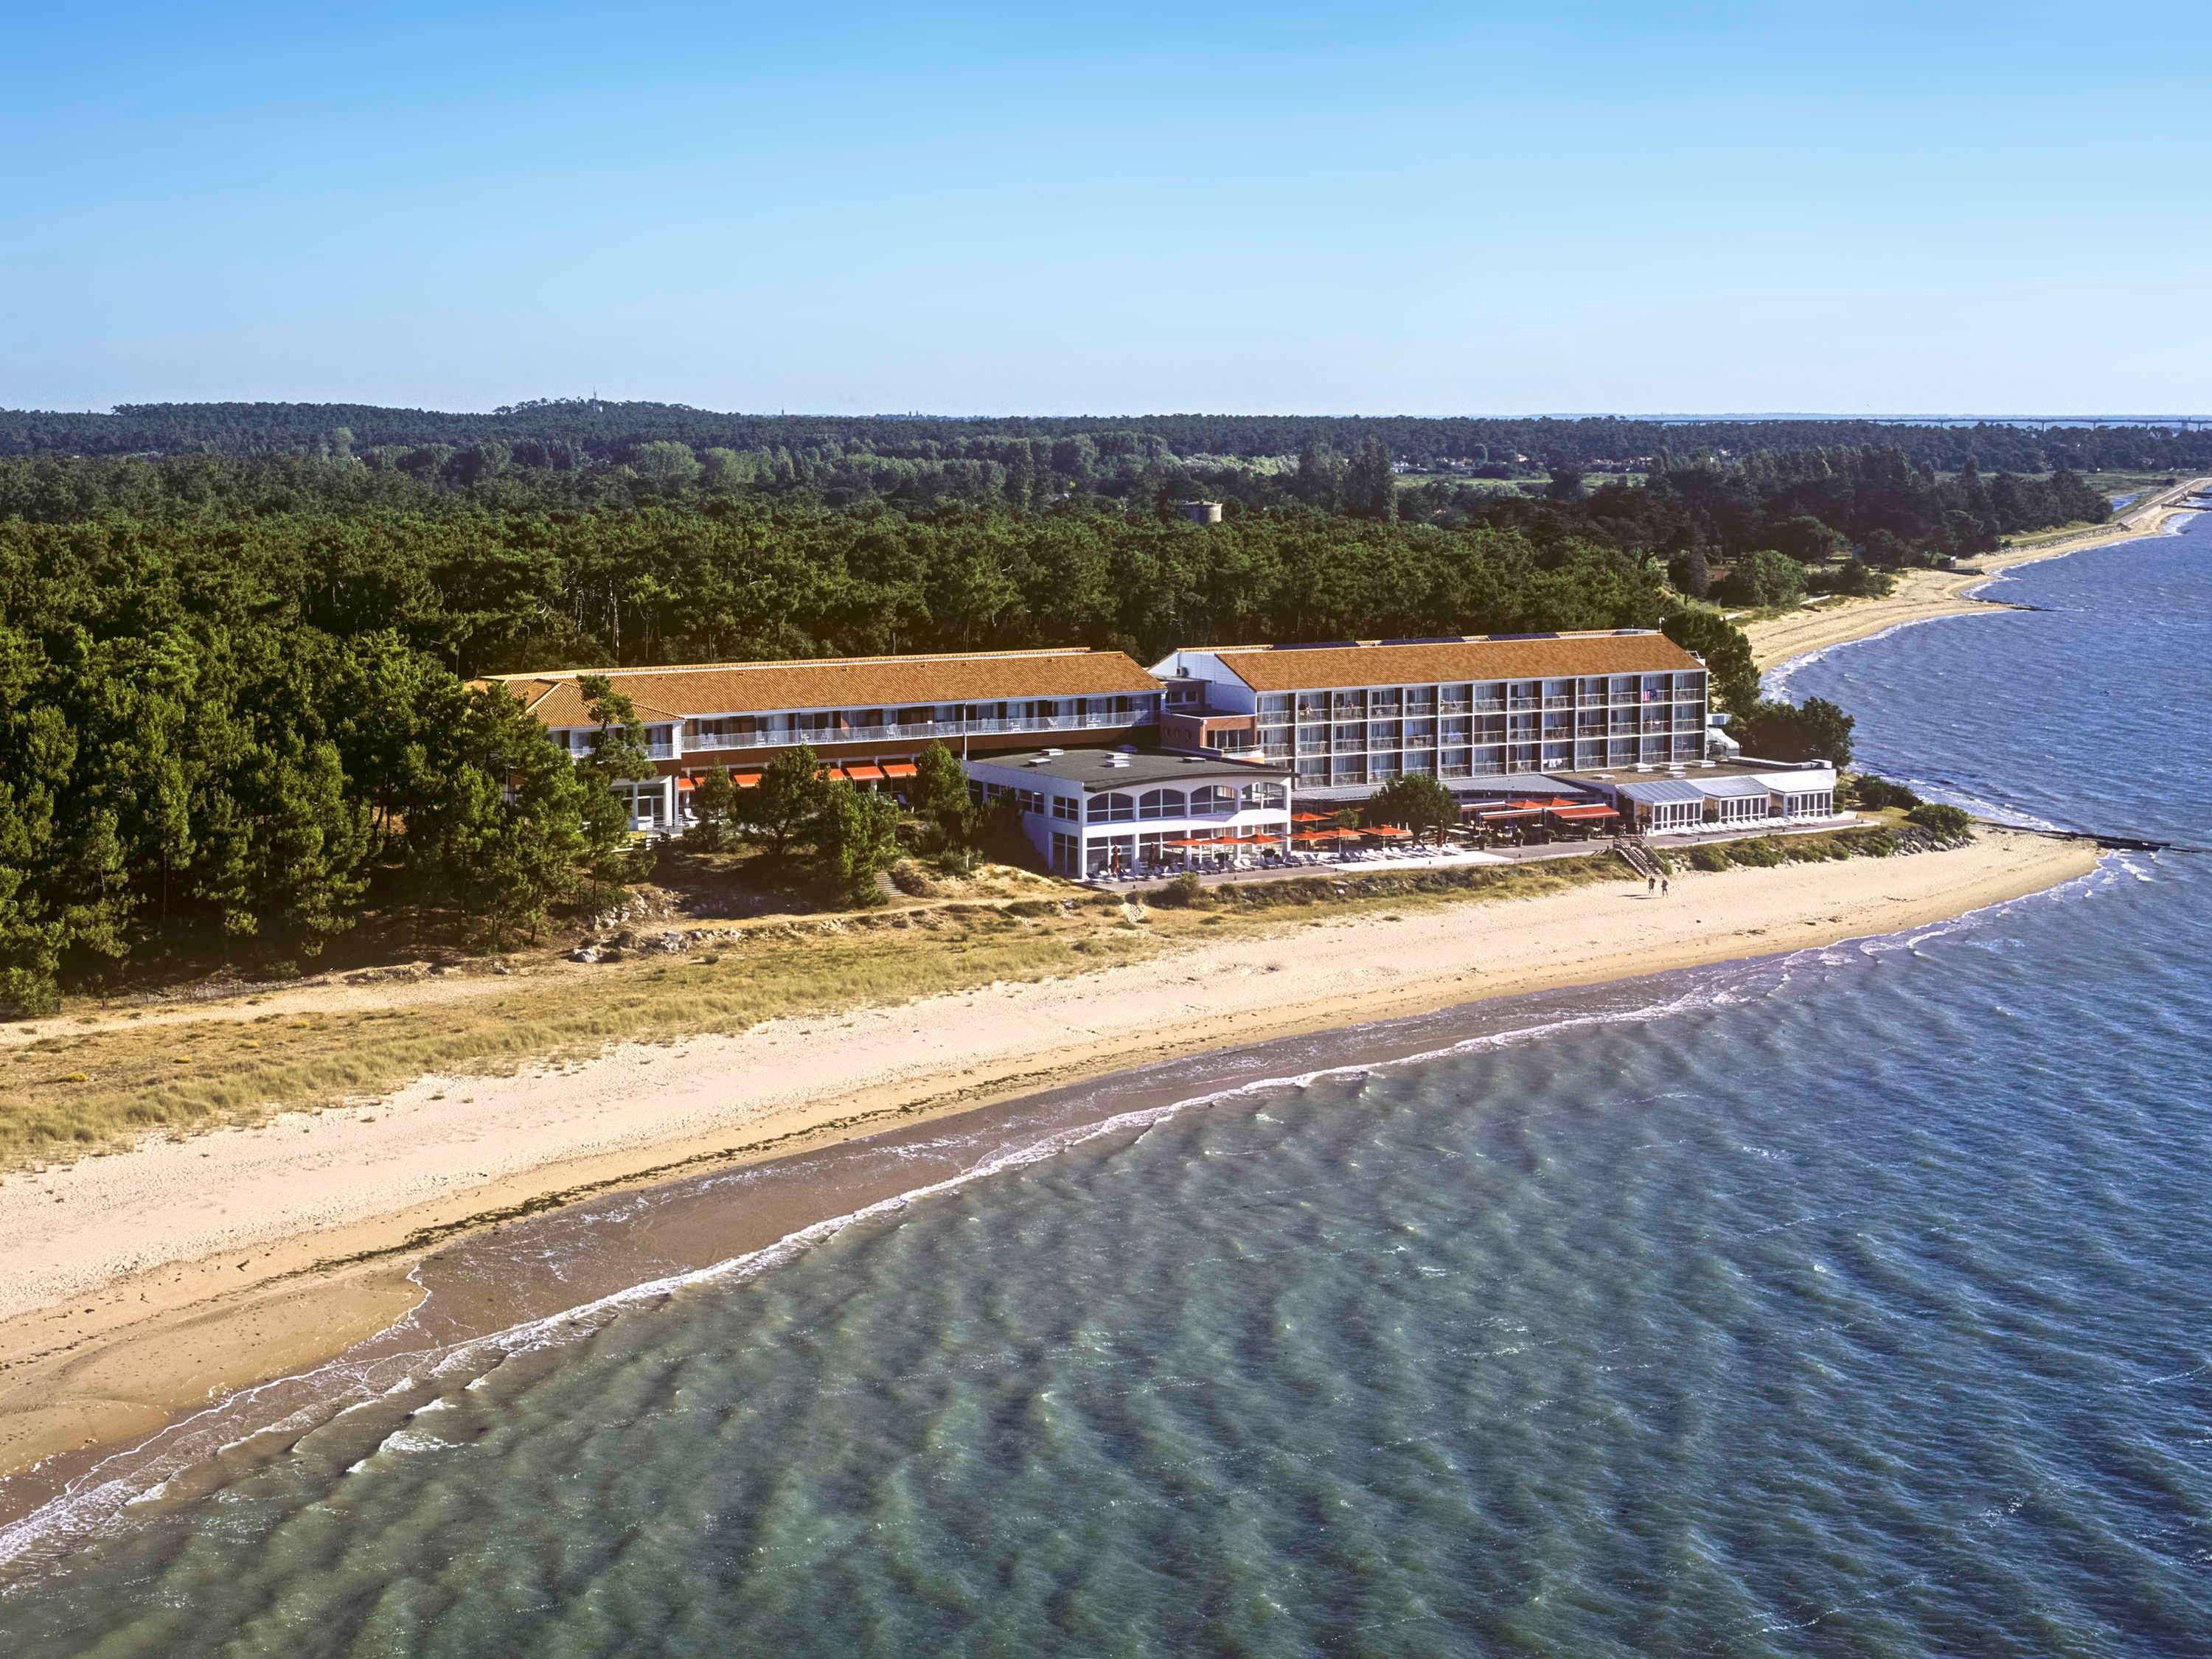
1453, 708
784, 738
1560, 702
1489, 705
1524, 703
661, 751
1455, 772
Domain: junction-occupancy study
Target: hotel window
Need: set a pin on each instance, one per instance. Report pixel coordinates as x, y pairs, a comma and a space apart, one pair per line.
1112, 809
1063, 806
1161, 803
1065, 852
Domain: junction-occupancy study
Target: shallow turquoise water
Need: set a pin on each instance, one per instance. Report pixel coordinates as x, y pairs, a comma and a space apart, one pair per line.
1853, 1302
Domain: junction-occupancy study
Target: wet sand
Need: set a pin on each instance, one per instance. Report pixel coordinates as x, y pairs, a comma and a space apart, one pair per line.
149, 1282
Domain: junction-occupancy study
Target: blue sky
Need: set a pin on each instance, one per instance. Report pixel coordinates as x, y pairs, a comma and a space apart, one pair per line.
1433, 209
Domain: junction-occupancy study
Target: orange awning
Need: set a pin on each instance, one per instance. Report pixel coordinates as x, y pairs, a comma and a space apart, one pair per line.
1390, 830
1579, 812
685, 783
746, 780
898, 768
864, 773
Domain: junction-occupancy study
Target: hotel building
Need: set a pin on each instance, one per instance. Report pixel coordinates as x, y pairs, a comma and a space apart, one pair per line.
1097, 811
1349, 717
866, 717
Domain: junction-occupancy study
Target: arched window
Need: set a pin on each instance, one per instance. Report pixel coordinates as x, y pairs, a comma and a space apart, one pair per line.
1160, 803
1112, 809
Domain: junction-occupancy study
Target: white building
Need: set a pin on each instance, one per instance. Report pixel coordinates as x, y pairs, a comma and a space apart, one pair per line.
1093, 811
1715, 794
1350, 717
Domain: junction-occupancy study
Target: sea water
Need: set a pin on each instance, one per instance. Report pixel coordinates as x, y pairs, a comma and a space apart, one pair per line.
1851, 1302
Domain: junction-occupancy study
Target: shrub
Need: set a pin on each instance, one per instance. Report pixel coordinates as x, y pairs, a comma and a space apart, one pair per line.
1709, 858
1762, 854
1185, 892
1854, 578
1874, 793
1952, 823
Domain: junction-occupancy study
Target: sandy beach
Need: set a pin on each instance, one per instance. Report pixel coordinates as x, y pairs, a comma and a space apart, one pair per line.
1922, 595
149, 1281
145, 1282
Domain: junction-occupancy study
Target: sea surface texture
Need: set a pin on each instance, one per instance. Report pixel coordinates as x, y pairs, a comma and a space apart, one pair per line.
1851, 1302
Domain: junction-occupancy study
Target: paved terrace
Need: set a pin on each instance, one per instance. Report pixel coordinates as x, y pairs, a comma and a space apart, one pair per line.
1460, 857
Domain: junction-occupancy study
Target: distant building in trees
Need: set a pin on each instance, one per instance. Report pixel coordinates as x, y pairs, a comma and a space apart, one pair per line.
1200, 512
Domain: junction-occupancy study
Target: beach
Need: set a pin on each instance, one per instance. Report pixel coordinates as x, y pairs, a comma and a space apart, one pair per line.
146, 1282
1924, 595
152, 1280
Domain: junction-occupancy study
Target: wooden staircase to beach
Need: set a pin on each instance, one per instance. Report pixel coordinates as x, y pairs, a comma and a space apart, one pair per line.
1636, 854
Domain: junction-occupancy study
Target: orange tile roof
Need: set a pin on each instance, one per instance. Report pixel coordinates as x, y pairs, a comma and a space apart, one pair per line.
1476, 657
690, 691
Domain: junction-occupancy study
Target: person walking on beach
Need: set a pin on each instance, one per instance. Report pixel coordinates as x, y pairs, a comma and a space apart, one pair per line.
1663, 887
1651, 884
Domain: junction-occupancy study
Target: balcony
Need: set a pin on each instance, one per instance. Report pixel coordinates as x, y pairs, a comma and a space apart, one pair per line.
1524, 703
1560, 702
894, 730
660, 750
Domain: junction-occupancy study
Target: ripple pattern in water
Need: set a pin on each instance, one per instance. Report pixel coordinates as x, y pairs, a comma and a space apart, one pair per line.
1861, 1310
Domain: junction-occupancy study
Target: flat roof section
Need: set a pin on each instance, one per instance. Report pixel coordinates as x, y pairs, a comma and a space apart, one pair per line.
1440, 661
1774, 772
1098, 770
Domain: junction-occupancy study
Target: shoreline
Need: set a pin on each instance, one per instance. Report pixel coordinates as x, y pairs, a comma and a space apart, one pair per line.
255, 1252
1925, 595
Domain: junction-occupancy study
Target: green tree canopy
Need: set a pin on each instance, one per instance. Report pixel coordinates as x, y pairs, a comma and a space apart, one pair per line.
1416, 801
1732, 674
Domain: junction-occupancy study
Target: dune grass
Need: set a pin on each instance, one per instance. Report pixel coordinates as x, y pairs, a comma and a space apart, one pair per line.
72, 1094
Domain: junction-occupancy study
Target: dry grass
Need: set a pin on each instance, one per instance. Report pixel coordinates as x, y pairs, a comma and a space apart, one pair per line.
74, 1094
